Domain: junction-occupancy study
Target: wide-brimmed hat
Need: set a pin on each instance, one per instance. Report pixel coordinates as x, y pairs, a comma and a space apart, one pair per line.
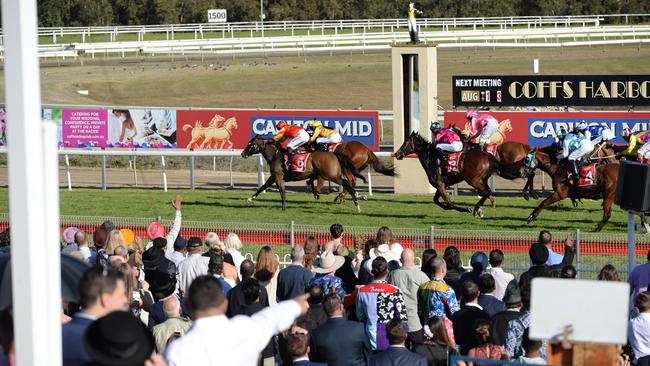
155, 230
119, 339
68, 234
383, 250
328, 262
512, 295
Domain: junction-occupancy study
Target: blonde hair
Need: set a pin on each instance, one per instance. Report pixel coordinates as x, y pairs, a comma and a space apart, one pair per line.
129, 279
212, 240
267, 264
232, 241
114, 239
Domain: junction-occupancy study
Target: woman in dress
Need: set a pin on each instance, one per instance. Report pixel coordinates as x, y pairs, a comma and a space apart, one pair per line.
385, 236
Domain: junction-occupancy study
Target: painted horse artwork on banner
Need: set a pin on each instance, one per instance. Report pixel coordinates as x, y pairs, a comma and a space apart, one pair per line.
215, 136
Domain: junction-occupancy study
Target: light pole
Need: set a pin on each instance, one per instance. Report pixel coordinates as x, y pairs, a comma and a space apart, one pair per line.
262, 16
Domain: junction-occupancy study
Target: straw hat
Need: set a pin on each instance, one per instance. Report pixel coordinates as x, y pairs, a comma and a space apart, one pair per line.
329, 262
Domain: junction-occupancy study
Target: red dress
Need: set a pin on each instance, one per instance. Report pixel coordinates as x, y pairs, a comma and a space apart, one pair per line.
487, 351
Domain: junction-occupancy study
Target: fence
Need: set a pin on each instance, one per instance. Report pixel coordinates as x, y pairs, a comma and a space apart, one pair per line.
533, 37
593, 250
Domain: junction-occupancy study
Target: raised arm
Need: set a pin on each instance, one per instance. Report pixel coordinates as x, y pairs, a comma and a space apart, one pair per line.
176, 226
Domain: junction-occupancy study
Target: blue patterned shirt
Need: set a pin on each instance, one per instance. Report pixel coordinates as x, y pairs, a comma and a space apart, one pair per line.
327, 282
436, 298
515, 334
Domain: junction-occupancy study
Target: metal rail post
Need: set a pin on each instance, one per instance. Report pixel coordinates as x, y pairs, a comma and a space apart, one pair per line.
67, 172
164, 172
432, 241
292, 234
631, 243
232, 183
577, 248
260, 171
192, 177
104, 172
135, 170
369, 181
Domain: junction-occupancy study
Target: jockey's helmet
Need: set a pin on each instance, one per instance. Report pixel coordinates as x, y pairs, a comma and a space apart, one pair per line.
281, 124
581, 126
626, 133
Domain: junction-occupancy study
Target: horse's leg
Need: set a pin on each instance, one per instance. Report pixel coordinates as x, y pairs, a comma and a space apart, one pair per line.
556, 196
531, 179
283, 193
310, 184
347, 186
645, 224
607, 212
264, 186
484, 190
448, 202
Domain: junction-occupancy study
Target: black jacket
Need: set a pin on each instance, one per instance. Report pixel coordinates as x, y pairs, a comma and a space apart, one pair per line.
340, 342
236, 303
464, 320
544, 270
396, 356
491, 305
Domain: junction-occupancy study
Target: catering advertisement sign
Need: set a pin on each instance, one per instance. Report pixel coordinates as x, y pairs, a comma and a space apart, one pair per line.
540, 128
551, 90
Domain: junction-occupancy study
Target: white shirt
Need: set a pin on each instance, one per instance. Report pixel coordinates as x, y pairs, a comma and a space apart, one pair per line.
237, 258
176, 257
86, 253
638, 333
501, 281
217, 340
171, 235
192, 267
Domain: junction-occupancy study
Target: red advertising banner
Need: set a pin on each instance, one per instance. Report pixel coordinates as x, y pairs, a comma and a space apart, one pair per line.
540, 128
232, 129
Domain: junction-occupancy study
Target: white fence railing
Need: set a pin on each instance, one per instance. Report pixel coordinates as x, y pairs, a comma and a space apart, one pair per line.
544, 37
197, 31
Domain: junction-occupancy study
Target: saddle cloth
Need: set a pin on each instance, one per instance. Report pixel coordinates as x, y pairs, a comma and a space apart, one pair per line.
452, 162
298, 163
332, 147
587, 175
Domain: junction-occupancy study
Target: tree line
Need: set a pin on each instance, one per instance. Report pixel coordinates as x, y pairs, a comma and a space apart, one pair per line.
57, 13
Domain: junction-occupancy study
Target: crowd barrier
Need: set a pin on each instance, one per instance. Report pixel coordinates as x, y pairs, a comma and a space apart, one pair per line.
593, 250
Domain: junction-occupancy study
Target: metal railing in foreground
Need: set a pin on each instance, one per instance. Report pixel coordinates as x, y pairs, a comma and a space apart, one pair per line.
592, 250
453, 361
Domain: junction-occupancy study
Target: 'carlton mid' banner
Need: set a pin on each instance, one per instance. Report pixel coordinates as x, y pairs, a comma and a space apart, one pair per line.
549, 90
540, 128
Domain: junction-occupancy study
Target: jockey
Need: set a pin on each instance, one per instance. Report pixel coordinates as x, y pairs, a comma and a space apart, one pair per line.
596, 132
445, 141
483, 126
322, 134
297, 135
575, 147
637, 143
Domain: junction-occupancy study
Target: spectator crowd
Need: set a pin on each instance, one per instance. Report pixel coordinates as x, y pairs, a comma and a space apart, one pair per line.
200, 301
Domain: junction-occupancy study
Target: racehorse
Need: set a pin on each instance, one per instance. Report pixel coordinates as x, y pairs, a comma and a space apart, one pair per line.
474, 167
605, 187
333, 167
510, 156
361, 156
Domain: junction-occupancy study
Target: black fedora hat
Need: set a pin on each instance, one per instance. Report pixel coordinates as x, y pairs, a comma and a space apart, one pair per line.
119, 339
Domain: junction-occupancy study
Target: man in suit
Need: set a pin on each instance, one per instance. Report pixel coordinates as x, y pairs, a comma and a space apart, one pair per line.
101, 291
298, 349
293, 280
465, 318
397, 353
236, 301
490, 304
339, 341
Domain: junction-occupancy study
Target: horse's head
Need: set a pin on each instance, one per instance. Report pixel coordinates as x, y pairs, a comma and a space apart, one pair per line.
410, 146
231, 124
254, 146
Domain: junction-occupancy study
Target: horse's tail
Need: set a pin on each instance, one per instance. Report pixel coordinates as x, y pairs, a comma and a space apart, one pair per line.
347, 166
186, 127
494, 165
379, 167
